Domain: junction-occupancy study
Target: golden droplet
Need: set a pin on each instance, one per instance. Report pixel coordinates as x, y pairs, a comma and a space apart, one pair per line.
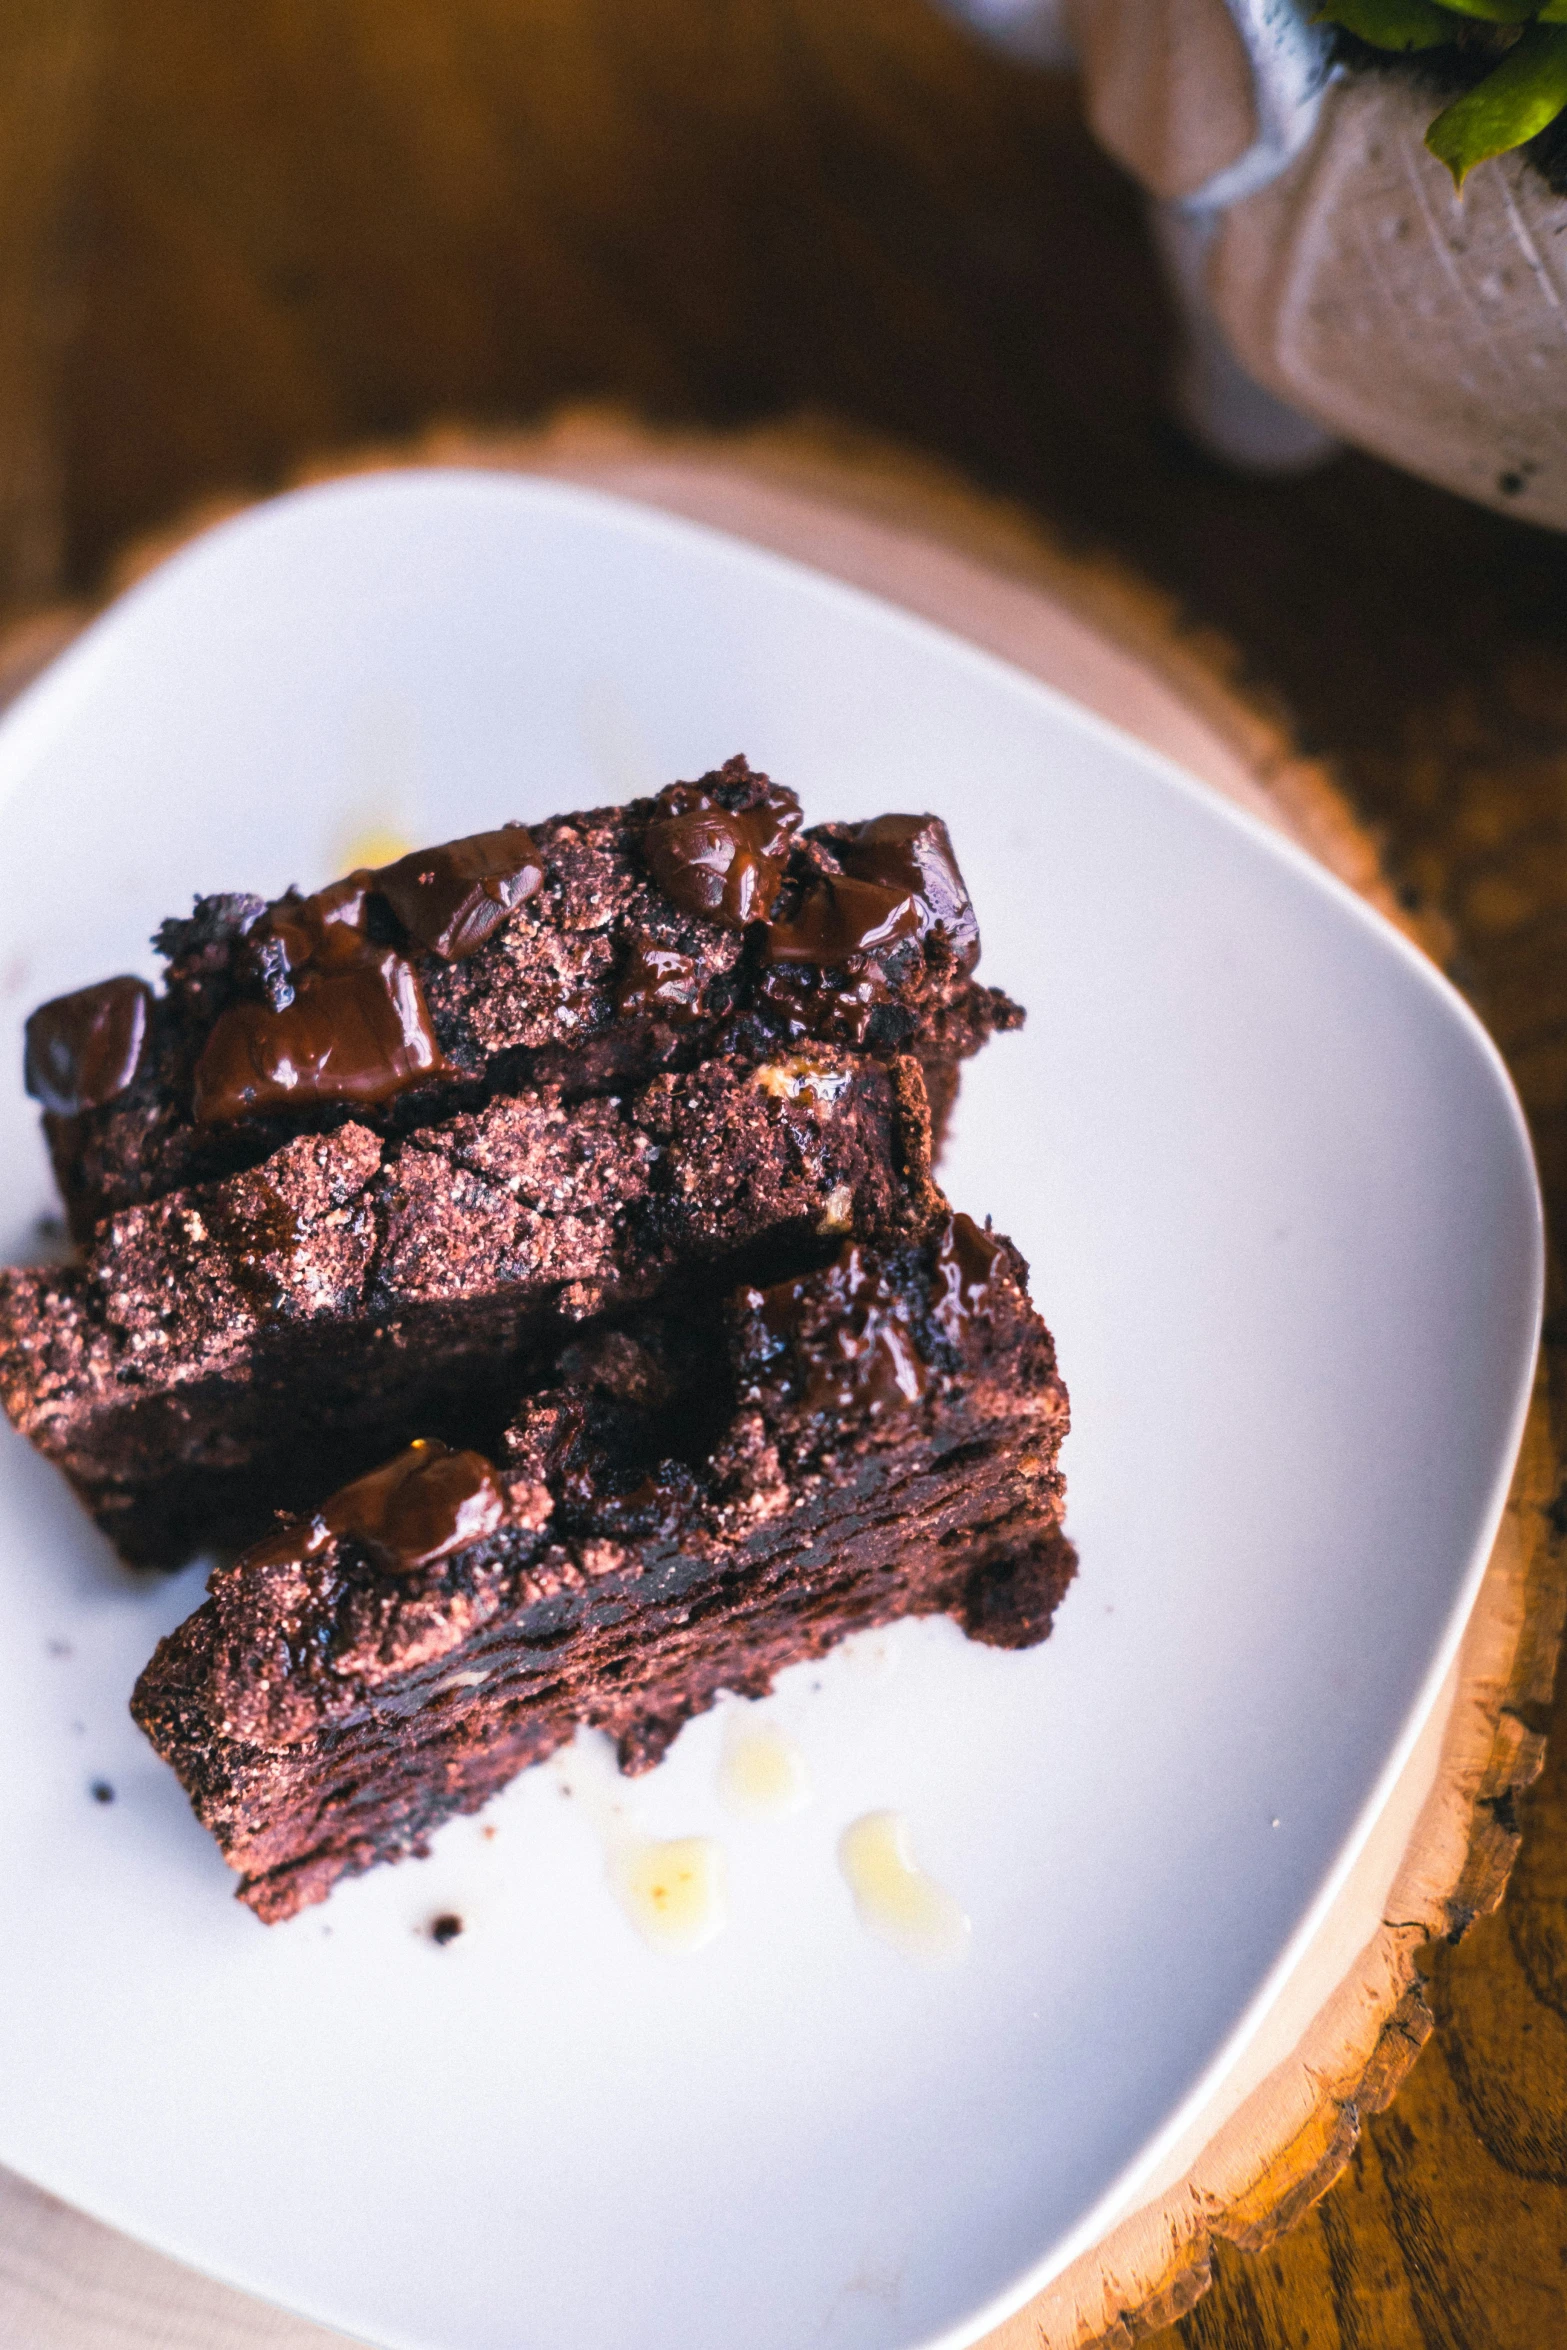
761, 1772
672, 1890
894, 1898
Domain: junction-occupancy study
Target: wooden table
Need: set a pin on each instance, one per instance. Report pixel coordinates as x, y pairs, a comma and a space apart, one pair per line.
239, 231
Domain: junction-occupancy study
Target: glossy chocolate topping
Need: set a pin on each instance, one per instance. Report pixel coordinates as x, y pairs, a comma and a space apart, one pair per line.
357, 1035
657, 982
914, 853
407, 1514
864, 1356
452, 898
427, 1501
343, 1016
966, 1259
719, 862
344, 1019
83, 1049
900, 881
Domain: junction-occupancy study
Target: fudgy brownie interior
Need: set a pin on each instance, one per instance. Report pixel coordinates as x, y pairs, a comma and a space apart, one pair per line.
240, 1346
684, 1504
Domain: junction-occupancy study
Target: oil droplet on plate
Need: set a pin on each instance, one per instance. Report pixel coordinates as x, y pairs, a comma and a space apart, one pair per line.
672, 1889
895, 1899
761, 1771
374, 844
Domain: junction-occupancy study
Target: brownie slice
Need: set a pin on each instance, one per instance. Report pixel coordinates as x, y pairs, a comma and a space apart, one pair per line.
685, 1504
243, 1345
588, 952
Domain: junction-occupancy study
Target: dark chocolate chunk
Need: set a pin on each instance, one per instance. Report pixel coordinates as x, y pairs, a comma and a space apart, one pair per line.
445, 1928
83, 1049
851, 1330
658, 982
344, 1018
900, 881
723, 862
966, 1261
405, 1514
427, 1501
360, 1034
914, 854
839, 917
452, 898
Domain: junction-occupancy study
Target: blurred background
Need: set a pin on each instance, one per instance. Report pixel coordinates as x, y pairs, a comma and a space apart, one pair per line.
241, 238
237, 236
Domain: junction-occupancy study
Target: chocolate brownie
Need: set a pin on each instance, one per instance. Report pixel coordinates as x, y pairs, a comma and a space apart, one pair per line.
589, 952
241, 1345
683, 1504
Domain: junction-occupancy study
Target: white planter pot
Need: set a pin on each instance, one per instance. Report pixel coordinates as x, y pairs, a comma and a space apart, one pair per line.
1321, 253
1426, 327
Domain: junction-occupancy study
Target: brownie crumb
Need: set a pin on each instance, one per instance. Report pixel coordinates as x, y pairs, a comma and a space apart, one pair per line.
445, 1928
102, 1792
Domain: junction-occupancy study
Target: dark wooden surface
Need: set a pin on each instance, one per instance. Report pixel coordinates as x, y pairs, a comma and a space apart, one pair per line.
236, 232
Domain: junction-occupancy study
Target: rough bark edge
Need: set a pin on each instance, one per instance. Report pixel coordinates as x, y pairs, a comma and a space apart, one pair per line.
1493, 1749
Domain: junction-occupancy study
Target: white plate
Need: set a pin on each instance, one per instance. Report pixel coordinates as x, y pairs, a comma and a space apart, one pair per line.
1283, 1219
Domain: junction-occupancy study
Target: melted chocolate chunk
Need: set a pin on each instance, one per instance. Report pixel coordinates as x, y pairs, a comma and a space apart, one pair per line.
914, 854
724, 863
427, 1501
900, 881
799, 1001
356, 1035
83, 1049
452, 898
344, 1020
838, 917
862, 1356
657, 982
966, 1260
325, 931
343, 1017
407, 1514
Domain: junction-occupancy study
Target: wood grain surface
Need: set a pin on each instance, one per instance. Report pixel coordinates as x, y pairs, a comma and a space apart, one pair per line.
250, 231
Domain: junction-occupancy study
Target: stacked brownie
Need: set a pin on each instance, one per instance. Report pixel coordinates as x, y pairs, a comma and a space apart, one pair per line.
543, 1228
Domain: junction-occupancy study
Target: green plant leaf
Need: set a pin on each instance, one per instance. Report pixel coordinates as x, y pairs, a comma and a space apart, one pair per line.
1527, 91
1491, 11
1554, 12
1392, 24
